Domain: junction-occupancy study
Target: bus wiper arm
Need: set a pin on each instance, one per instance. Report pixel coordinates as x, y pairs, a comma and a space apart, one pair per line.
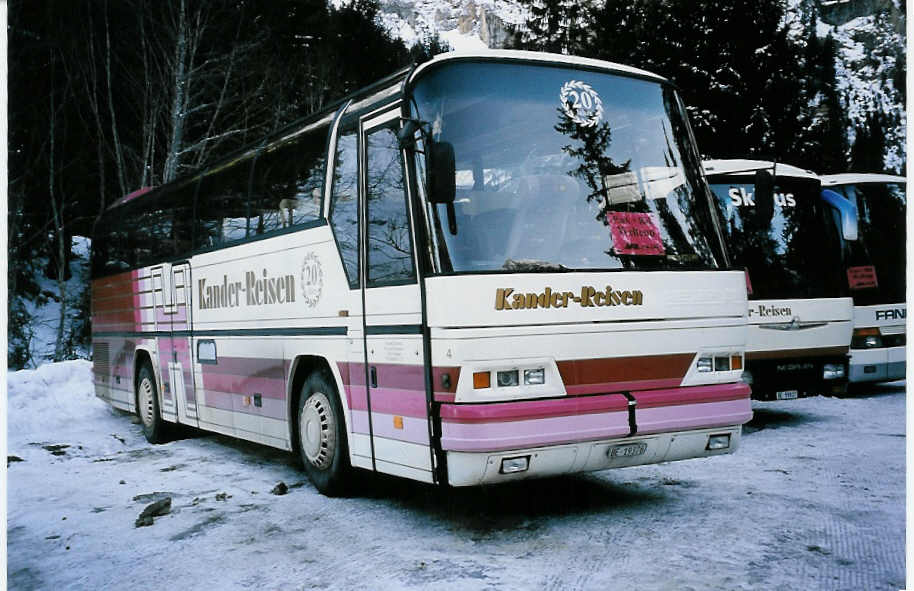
527, 265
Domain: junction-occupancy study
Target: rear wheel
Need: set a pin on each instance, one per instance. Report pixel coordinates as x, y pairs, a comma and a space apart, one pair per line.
147, 405
322, 441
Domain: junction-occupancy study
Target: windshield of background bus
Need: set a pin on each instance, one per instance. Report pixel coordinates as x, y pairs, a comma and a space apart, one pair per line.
881, 215
790, 246
560, 168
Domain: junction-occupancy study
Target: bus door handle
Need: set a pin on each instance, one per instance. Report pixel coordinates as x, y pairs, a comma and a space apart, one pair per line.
373, 376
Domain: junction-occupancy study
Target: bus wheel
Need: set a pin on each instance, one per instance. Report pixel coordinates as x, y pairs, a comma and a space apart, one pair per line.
322, 436
147, 406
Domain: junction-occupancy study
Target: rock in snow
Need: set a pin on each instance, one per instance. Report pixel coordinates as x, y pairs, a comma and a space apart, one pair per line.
162, 507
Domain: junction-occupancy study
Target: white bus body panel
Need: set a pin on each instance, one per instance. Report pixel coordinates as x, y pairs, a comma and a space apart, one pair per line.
883, 363
792, 324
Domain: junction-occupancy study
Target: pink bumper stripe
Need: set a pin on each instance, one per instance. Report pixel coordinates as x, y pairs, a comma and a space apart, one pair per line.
693, 416
528, 409
692, 395
533, 432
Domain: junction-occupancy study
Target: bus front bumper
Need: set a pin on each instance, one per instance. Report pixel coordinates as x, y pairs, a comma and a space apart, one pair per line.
475, 468
877, 365
504, 441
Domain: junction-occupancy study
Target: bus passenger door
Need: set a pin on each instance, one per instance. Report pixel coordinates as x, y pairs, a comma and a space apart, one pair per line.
393, 351
172, 285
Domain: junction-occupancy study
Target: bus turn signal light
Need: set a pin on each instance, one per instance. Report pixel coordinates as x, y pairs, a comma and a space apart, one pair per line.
866, 338
481, 379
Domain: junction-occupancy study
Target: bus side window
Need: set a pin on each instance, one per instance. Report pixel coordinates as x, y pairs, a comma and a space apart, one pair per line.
344, 203
180, 209
288, 183
389, 252
222, 205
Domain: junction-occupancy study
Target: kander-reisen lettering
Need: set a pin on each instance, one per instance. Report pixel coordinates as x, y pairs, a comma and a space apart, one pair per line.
763, 311
507, 299
253, 291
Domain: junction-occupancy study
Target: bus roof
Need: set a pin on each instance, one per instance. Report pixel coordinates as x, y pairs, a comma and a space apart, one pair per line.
532, 56
849, 178
739, 166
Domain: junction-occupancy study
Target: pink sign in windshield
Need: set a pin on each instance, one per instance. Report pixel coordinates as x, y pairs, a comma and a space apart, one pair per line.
635, 233
863, 277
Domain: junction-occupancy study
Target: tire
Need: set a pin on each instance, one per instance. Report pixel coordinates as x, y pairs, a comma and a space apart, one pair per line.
147, 405
321, 431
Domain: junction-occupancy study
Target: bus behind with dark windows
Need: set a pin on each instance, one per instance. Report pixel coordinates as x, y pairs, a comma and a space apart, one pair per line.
799, 313
876, 273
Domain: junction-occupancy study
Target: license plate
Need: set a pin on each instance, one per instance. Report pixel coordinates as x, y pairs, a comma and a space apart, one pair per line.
787, 395
628, 450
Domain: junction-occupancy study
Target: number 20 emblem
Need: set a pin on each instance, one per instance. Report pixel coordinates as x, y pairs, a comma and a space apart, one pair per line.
312, 279
581, 103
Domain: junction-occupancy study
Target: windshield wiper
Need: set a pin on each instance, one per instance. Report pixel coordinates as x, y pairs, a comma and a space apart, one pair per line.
527, 265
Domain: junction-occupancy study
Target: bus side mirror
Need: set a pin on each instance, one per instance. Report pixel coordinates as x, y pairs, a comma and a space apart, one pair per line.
406, 135
442, 172
847, 212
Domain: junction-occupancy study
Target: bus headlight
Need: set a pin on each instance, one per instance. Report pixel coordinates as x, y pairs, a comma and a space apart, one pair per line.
506, 378
866, 338
535, 377
832, 371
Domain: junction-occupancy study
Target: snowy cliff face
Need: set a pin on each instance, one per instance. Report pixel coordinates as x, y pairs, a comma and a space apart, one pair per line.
463, 24
870, 35
870, 69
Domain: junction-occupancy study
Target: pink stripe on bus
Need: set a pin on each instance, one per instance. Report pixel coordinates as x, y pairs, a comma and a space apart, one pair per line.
414, 430
247, 366
249, 385
390, 375
137, 314
400, 402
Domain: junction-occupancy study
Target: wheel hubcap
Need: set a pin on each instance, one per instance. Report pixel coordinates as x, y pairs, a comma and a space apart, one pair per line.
317, 429
147, 405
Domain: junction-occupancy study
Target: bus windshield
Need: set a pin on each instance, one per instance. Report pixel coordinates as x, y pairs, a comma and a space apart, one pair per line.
564, 169
790, 248
881, 217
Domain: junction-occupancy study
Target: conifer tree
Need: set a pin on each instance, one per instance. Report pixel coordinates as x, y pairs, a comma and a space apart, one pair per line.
867, 152
555, 26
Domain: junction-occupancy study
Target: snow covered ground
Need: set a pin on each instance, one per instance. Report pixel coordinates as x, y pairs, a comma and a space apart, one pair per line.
814, 499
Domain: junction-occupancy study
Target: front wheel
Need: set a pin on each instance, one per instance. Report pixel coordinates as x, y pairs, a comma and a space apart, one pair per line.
322, 436
147, 405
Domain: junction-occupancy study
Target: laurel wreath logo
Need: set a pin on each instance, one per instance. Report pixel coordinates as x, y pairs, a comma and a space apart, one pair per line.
312, 279
581, 103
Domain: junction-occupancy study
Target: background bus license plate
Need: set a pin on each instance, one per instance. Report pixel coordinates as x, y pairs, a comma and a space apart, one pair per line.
787, 395
628, 450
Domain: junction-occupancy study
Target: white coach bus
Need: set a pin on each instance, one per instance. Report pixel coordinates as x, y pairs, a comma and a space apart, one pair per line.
876, 273
487, 267
800, 312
